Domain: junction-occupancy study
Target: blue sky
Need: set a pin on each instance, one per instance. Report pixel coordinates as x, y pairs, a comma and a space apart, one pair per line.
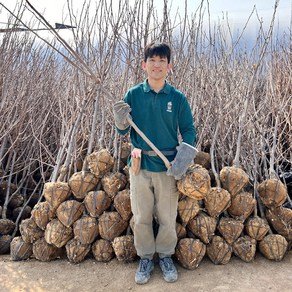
238, 11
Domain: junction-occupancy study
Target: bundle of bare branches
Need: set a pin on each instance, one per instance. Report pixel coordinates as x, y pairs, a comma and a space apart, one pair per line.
99, 220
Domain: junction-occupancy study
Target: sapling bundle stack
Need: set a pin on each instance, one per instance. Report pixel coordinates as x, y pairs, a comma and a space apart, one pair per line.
216, 202
272, 194
218, 199
100, 223
255, 226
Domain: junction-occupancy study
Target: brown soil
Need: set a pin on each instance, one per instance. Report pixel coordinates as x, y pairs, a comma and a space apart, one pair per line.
90, 275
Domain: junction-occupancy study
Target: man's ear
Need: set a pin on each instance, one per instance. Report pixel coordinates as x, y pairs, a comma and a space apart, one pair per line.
169, 67
143, 65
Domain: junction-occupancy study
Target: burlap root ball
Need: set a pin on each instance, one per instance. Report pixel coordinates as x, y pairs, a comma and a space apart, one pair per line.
102, 250
190, 252
196, 183
273, 247
124, 248
19, 249
100, 162
42, 214
96, 202
230, 228
257, 228
203, 226
217, 201
233, 179
29, 231
187, 209
273, 193
55, 193
219, 251
245, 248
82, 182
76, 251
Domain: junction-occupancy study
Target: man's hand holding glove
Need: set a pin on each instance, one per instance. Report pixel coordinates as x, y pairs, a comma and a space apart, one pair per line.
184, 158
121, 110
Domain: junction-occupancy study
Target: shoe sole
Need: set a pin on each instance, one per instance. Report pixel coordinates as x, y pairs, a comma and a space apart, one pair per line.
169, 281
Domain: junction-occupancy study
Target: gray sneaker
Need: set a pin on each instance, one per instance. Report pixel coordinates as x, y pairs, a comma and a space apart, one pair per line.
168, 269
144, 270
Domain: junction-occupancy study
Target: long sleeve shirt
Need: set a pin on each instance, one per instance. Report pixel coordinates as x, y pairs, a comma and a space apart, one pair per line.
161, 117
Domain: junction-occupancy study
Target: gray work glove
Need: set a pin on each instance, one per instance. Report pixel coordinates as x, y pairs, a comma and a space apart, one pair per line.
121, 110
184, 158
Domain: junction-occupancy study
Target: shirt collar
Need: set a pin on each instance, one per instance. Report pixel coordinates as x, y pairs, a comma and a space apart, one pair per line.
166, 89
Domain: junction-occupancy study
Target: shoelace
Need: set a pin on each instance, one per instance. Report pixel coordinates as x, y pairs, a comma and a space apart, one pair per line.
168, 264
143, 265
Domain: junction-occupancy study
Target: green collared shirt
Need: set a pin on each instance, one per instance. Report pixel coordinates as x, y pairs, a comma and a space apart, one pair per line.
161, 117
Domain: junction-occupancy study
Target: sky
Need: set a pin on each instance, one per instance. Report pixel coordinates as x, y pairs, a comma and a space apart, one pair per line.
238, 10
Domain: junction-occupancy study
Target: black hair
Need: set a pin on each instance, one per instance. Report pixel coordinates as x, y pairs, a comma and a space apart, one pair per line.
157, 49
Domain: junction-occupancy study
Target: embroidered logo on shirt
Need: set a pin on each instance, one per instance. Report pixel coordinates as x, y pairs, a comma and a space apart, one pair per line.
169, 107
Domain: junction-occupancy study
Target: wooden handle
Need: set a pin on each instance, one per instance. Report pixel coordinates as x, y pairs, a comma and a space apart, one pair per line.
153, 147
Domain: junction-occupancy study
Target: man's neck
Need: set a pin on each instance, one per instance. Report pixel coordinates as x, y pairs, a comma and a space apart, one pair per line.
156, 85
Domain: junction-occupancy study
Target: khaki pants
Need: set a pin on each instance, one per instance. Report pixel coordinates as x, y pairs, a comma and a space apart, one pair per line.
154, 194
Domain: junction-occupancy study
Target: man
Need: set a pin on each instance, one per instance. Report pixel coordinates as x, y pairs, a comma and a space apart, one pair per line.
161, 112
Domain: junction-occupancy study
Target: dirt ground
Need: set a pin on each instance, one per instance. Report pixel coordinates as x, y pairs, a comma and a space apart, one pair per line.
90, 275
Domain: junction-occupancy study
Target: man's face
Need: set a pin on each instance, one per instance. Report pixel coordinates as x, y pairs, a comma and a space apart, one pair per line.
156, 67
